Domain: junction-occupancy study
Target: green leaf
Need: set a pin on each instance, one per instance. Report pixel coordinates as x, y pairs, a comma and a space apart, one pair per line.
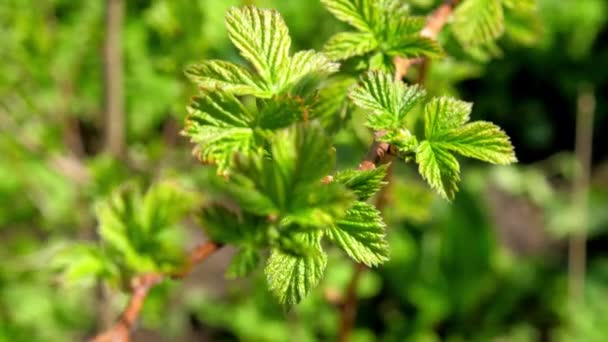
403, 38
243, 262
309, 64
385, 27
480, 140
442, 113
286, 181
387, 100
232, 227
361, 14
230, 78
447, 132
219, 125
361, 234
416, 46
139, 230
332, 103
263, 39
345, 45
363, 183
439, 168
520, 5
291, 277
282, 111
478, 22
82, 262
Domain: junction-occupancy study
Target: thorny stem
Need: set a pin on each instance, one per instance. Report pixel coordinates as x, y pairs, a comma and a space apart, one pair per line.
381, 153
141, 285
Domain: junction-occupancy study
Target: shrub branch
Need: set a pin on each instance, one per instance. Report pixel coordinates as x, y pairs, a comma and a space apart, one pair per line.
382, 153
140, 287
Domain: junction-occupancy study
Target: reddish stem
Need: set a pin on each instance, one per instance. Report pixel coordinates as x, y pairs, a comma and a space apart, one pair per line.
141, 286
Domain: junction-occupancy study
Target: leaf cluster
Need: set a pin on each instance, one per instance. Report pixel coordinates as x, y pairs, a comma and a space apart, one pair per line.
284, 205
238, 105
383, 30
447, 130
138, 234
260, 126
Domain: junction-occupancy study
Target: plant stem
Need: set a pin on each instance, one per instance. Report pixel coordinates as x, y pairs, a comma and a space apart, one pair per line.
141, 285
381, 153
580, 193
113, 77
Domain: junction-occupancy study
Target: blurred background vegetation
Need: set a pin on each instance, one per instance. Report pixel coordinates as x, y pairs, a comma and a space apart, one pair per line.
499, 264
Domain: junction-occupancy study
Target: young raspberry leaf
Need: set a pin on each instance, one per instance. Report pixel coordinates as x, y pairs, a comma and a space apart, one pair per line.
387, 100
439, 168
231, 78
308, 64
263, 39
361, 234
478, 22
447, 132
220, 126
404, 39
345, 45
360, 14
285, 181
292, 276
363, 183
383, 27
138, 230
331, 105
232, 227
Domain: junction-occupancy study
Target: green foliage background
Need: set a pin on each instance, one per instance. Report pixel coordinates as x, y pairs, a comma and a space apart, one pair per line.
492, 265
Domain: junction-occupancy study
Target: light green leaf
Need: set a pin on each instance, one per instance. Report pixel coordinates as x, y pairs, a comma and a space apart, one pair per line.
332, 103
363, 183
478, 21
139, 229
345, 45
286, 180
480, 140
243, 262
397, 26
237, 228
263, 39
439, 168
309, 64
303, 154
82, 262
403, 38
219, 125
447, 132
219, 75
416, 46
291, 277
442, 113
388, 100
520, 5
361, 234
361, 14
385, 27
